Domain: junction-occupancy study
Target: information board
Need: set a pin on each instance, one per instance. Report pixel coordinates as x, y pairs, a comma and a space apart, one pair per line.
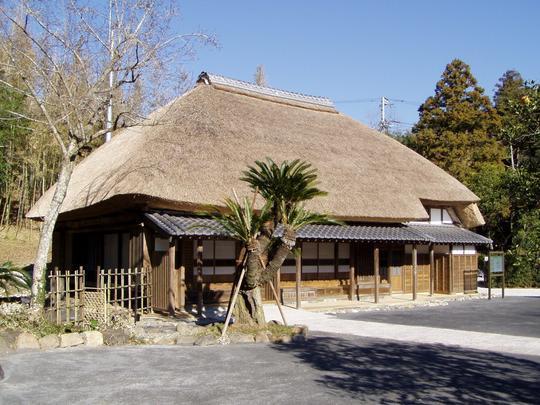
496, 262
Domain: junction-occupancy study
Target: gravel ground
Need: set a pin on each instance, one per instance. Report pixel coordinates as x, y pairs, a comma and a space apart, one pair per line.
328, 369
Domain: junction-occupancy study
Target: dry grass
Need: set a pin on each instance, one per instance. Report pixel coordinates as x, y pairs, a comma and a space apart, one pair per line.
18, 246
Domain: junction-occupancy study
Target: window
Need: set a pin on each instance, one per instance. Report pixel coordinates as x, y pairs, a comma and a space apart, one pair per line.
463, 250
439, 216
219, 257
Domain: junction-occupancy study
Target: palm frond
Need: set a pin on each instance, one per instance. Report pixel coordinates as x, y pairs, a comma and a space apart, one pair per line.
289, 183
11, 276
297, 217
240, 220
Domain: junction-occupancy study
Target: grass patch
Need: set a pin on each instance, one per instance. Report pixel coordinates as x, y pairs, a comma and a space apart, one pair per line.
274, 329
18, 318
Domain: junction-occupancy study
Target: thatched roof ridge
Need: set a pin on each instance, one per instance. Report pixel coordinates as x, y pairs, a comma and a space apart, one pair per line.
207, 138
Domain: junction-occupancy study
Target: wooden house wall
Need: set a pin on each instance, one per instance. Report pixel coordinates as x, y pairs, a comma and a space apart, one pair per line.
462, 263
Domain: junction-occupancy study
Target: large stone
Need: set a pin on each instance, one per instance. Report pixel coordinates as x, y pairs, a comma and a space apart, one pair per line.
300, 330
49, 342
71, 339
284, 339
164, 339
92, 338
261, 337
189, 329
298, 338
237, 337
115, 337
7, 341
186, 340
206, 340
26, 341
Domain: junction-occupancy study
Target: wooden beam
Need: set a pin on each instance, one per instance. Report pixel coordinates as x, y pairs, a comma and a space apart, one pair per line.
199, 276
376, 273
352, 283
451, 272
414, 272
298, 262
431, 269
182, 288
172, 286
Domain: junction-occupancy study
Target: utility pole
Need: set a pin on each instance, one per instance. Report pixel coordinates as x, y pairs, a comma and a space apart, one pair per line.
108, 134
383, 124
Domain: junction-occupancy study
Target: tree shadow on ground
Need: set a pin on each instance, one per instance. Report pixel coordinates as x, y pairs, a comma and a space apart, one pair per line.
390, 372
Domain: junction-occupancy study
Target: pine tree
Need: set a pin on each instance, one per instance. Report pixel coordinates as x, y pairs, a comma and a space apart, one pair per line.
458, 124
511, 86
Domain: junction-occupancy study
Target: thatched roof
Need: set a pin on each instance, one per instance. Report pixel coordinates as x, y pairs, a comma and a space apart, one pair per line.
194, 156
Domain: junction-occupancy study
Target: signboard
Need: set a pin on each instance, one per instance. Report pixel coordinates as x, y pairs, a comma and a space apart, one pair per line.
496, 262
496, 268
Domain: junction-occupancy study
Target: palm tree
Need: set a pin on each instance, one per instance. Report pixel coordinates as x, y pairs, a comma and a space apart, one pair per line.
269, 235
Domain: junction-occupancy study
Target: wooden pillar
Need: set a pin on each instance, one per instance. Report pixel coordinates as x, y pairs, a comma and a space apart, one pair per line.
172, 286
298, 262
414, 272
199, 276
351, 271
451, 272
431, 269
376, 273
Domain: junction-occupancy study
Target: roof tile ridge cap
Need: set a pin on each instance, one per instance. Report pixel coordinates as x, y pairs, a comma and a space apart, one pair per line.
322, 100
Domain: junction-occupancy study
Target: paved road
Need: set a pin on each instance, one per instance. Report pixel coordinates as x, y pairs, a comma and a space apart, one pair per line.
517, 316
328, 369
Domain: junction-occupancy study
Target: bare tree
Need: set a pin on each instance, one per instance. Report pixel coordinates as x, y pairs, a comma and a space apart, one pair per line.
74, 51
260, 76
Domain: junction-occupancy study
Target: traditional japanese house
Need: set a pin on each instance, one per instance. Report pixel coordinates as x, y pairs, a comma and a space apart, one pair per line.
132, 201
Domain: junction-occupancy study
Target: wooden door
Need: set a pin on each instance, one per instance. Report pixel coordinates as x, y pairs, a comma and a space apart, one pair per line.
442, 274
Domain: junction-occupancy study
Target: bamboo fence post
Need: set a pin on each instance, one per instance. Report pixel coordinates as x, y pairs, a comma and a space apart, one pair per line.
67, 291
115, 288
142, 291
76, 298
129, 288
277, 302
109, 284
57, 282
121, 287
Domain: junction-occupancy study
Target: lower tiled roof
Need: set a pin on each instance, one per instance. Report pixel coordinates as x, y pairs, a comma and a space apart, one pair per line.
186, 226
450, 234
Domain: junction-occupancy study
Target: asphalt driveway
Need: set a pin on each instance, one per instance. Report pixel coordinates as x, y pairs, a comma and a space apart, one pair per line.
328, 369
517, 316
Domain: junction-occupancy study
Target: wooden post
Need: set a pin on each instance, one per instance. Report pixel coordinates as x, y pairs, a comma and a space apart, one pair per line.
298, 262
199, 276
351, 272
414, 272
182, 287
431, 269
172, 287
376, 273
277, 302
451, 272
233, 301
57, 285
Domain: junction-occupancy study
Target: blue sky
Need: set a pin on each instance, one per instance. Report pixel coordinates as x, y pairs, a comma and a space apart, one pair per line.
349, 50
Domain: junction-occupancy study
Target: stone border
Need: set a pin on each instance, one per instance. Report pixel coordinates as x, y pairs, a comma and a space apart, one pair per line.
13, 341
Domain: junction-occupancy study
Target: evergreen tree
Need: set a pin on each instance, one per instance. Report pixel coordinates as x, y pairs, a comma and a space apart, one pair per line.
511, 86
458, 124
